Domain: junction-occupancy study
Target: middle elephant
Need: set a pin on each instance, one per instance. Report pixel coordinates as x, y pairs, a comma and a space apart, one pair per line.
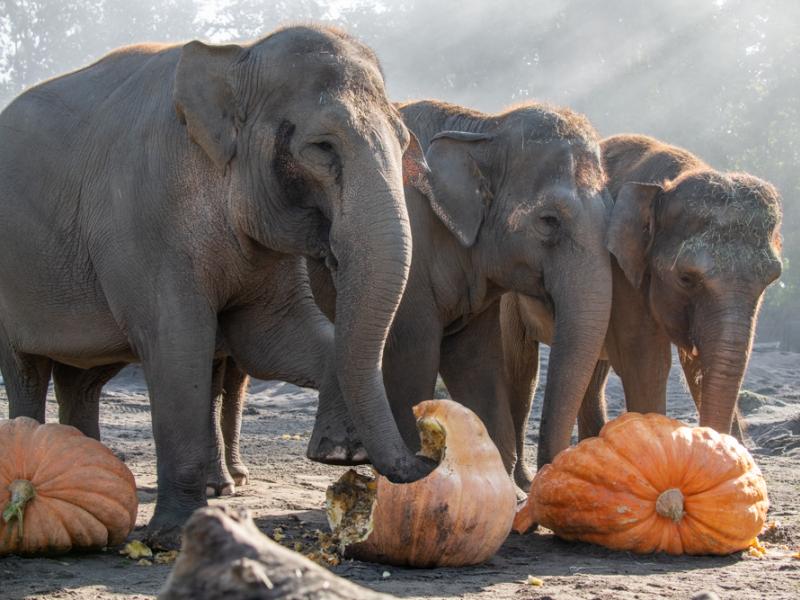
511, 201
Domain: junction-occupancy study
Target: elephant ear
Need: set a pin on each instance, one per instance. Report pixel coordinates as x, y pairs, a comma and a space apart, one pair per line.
632, 228
416, 172
204, 98
460, 190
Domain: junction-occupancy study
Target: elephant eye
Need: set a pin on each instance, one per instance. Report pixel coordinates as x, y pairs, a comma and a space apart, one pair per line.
549, 224
322, 158
688, 280
550, 221
324, 146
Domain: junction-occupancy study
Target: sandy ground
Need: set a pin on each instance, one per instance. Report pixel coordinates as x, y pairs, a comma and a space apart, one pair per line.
288, 491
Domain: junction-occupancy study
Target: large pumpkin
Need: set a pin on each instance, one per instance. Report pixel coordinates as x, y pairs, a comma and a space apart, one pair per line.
649, 483
459, 514
60, 490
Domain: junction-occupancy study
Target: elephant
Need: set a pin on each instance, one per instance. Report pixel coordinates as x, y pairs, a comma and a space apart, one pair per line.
512, 201
693, 250
157, 206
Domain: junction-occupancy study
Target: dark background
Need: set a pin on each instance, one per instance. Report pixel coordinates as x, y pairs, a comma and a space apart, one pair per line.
719, 77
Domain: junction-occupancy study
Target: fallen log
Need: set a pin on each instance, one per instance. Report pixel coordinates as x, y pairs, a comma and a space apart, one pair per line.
224, 555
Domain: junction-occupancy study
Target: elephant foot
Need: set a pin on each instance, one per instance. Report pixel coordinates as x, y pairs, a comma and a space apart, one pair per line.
522, 497
239, 472
523, 476
219, 490
219, 482
337, 452
334, 440
164, 531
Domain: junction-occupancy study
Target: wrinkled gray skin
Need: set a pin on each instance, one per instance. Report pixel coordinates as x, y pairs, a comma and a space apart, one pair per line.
693, 251
154, 207
511, 202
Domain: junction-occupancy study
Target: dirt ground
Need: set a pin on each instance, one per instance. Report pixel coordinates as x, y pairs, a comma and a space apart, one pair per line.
287, 492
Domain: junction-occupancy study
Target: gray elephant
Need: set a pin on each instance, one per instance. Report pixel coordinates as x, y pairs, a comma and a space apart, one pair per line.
501, 202
154, 207
693, 251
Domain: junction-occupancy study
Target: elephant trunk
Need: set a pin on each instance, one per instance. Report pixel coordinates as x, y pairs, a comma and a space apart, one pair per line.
372, 243
582, 310
724, 338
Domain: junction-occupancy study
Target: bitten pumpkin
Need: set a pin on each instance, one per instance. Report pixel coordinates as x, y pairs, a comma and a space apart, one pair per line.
649, 483
457, 515
60, 490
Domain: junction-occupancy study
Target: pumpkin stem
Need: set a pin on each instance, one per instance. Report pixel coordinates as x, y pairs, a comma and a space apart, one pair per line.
22, 491
670, 504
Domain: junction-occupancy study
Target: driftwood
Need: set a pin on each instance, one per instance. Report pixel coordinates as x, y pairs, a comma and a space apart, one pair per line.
224, 555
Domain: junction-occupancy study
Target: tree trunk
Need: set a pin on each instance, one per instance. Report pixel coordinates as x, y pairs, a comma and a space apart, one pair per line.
225, 556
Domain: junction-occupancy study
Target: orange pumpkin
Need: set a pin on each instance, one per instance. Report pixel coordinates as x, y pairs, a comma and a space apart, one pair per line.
649, 483
457, 515
60, 490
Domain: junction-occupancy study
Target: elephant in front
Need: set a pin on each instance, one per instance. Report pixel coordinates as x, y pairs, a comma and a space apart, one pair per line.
155, 206
693, 250
513, 201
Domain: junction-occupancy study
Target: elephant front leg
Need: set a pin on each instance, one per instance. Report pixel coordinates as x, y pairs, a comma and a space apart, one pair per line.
293, 342
521, 364
640, 353
410, 366
177, 362
334, 439
78, 395
473, 369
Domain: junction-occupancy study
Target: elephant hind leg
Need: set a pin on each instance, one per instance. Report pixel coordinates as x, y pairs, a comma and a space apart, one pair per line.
592, 415
472, 369
234, 389
218, 481
26, 377
78, 394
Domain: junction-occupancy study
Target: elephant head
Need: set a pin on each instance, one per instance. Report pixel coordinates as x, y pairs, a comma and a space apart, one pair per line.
702, 248
299, 126
524, 191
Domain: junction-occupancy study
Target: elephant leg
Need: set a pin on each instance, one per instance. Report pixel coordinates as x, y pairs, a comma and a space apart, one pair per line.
693, 373
78, 394
642, 357
177, 360
26, 377
284, 336
473, 371
592, 415
409, 373
219, 482
521, 360
234, 391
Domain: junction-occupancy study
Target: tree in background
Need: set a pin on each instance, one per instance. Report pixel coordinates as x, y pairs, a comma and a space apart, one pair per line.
719, 77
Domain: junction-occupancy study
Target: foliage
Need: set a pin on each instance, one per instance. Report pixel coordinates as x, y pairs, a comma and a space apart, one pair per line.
719, 77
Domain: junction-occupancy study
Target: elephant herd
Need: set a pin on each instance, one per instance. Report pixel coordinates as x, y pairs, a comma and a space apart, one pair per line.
212, 211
